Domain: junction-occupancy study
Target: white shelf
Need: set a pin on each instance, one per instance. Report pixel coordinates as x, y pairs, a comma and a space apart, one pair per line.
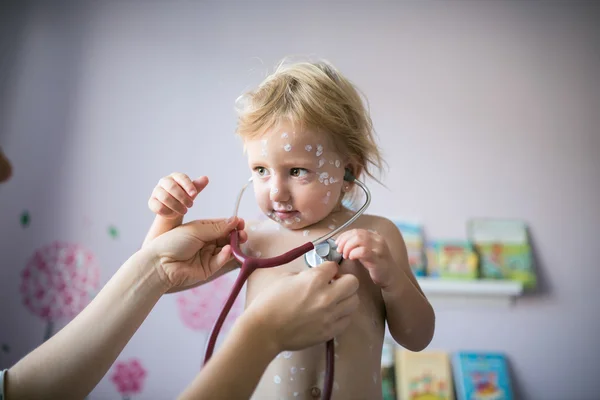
442, 292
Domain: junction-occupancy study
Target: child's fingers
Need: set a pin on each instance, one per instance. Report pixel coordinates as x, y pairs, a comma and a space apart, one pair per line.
357, 253
350, 245
185, 182
175, 189
159, 208
171, 202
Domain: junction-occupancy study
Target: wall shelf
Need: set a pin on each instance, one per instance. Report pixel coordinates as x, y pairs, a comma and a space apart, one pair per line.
442, 292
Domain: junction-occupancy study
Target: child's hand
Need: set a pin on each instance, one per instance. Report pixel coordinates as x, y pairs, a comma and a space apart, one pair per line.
371, 250
174, 194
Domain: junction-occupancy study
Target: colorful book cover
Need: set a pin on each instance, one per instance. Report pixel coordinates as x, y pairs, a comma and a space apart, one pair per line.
503, 249
424, 375
451, 260
415, 246
481, 376
388, 375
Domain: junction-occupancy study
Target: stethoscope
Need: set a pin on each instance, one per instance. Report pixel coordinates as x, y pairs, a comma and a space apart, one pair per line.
315, 253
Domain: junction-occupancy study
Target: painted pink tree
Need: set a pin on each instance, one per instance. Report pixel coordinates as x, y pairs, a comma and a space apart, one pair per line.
128, 377
200, 307
58, 282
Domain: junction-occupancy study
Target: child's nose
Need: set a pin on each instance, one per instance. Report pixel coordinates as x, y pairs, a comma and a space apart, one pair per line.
279, 192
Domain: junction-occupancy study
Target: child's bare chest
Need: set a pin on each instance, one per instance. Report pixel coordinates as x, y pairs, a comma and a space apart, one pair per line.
358, 351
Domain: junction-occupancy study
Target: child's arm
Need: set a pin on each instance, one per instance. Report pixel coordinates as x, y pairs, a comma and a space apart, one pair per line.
410, 317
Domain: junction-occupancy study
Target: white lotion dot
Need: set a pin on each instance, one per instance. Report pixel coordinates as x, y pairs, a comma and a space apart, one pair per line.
337, 163
293, 370
289, 207
305, 233
321, 162
284, 135
332, 226
323, 176
274, 190
277, 379
287, 147
308, 147
297, 219
287, 354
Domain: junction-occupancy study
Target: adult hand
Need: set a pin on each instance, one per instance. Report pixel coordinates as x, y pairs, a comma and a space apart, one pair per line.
193, 252
305, 309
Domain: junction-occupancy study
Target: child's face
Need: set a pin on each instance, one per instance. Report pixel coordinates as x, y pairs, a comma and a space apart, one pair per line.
298, 178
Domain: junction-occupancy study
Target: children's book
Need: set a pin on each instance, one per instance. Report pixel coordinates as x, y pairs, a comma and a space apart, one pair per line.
451, 260
503, 249
424, 375
481, 376
413, 238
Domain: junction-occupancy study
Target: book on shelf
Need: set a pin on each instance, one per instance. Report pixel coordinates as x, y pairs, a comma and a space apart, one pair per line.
481, 376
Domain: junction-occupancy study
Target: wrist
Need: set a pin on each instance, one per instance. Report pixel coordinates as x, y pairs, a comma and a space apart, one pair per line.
150, 271
396, 283
252, 325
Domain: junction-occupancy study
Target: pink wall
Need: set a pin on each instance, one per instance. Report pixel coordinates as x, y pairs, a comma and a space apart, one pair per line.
483, 109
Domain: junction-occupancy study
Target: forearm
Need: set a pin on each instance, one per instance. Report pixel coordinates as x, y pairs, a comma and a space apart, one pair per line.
412, 327
71, 363
236, 368
159, 226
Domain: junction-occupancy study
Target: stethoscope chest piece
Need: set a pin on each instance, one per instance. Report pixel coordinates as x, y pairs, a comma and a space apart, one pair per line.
326, 251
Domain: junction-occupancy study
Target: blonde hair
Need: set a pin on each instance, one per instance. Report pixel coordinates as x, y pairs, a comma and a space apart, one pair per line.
313, 95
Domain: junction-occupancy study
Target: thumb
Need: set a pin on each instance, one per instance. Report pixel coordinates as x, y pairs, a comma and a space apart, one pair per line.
200, 184
212, 229
327, 271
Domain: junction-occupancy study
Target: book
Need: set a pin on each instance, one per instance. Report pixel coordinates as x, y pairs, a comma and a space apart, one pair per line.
481, 376
503, 249
415, 246
451, 260
424, 375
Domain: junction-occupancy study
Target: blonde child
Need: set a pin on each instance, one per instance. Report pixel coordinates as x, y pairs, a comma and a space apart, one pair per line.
302, 127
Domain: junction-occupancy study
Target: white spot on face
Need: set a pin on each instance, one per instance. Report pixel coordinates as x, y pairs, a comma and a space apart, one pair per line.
289, 207
319, 150
288, 222
308, 147
332, 180
337, 163
284, 135
306, 232
274, 190
257, 254
297, 219
287, 147
321, 162
372, 231
331, 162
326, 182
323, 176
277, 379
287, 354
293, 370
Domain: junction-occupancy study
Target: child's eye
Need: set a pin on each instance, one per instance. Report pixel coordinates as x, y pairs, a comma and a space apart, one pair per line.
298, 172
261, 171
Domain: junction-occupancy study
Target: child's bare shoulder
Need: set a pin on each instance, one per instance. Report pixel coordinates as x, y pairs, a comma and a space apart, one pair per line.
379, 224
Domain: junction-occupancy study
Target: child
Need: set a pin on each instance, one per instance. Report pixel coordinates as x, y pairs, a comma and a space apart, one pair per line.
302, 127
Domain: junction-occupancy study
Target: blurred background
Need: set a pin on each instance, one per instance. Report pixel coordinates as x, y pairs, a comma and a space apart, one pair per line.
483, 109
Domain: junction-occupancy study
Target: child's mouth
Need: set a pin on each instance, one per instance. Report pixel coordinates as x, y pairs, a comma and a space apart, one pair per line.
285, 215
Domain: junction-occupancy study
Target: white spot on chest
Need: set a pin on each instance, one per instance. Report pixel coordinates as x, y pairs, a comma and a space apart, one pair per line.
277, 379
287, 147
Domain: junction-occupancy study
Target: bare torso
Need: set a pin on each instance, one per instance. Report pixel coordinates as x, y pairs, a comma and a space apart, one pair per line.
300, 374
